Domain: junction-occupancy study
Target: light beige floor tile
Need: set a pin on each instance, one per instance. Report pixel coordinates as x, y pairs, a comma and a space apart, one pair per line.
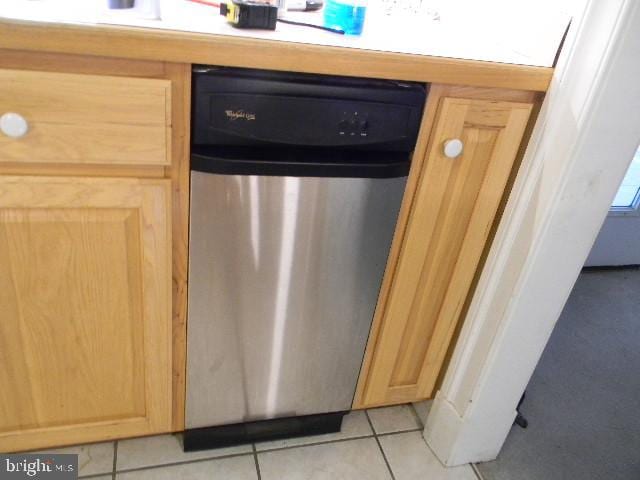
234, 468
92, 459
164, 449
101, 477
410, 458
393, 419
354, 424
349, 460
422, 409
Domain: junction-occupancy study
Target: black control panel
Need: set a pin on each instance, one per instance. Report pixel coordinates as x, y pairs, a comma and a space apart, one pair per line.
252, 107
353, 124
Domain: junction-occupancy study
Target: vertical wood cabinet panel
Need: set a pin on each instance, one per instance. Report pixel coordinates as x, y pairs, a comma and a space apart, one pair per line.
449, 223
85, 300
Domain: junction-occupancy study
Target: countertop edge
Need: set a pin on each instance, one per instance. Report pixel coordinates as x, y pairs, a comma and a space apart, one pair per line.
186, 47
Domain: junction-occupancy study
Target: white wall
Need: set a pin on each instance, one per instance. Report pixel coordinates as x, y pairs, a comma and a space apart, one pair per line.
618, 242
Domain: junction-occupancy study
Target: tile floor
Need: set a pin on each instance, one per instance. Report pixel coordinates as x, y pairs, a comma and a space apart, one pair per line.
382, 443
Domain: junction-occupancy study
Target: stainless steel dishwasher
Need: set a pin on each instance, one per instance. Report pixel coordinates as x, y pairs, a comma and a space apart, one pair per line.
296, 184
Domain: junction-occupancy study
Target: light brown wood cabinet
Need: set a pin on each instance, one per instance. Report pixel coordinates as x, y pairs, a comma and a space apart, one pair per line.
93, 245
87, 216
85, 288
447, 227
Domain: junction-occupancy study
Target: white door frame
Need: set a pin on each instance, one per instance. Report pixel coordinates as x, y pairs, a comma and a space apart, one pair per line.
584, 140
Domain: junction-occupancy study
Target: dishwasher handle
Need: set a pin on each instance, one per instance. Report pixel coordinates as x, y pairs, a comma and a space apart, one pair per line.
302, 163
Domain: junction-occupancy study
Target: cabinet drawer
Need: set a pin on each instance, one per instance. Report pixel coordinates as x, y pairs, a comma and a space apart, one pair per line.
92, 119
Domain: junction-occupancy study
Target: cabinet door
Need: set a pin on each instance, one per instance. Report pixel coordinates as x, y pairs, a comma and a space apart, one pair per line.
449, 223
85, 331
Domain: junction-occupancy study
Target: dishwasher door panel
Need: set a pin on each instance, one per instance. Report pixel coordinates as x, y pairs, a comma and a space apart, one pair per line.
284, 275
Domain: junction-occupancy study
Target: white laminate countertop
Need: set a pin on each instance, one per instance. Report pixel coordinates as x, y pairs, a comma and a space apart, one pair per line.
516, 32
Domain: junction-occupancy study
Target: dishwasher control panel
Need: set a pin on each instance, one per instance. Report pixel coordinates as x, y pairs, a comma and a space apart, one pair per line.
247, 107
353, 124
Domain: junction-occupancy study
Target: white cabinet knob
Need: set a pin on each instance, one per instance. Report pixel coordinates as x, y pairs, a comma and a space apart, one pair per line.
453, 148
13, 125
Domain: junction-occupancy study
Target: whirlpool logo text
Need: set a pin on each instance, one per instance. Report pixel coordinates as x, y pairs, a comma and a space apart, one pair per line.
234, 115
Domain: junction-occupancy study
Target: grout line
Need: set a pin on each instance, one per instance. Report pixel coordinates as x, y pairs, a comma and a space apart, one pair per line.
338, 440
375, 435
255, 459
432, 452
255, 451
115, 460
472, 465
475, 469
173, 464
399, 431
415, 414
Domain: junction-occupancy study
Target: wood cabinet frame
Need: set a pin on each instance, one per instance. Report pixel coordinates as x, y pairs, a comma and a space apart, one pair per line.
363, 398
178, 171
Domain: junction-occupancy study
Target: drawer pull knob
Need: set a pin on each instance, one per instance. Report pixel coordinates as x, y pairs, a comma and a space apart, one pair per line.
453, 148
13, 125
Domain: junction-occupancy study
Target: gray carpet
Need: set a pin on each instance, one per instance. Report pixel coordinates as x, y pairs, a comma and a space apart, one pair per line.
583, 401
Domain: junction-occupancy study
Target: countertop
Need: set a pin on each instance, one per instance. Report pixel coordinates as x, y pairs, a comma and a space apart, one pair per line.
444, 45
